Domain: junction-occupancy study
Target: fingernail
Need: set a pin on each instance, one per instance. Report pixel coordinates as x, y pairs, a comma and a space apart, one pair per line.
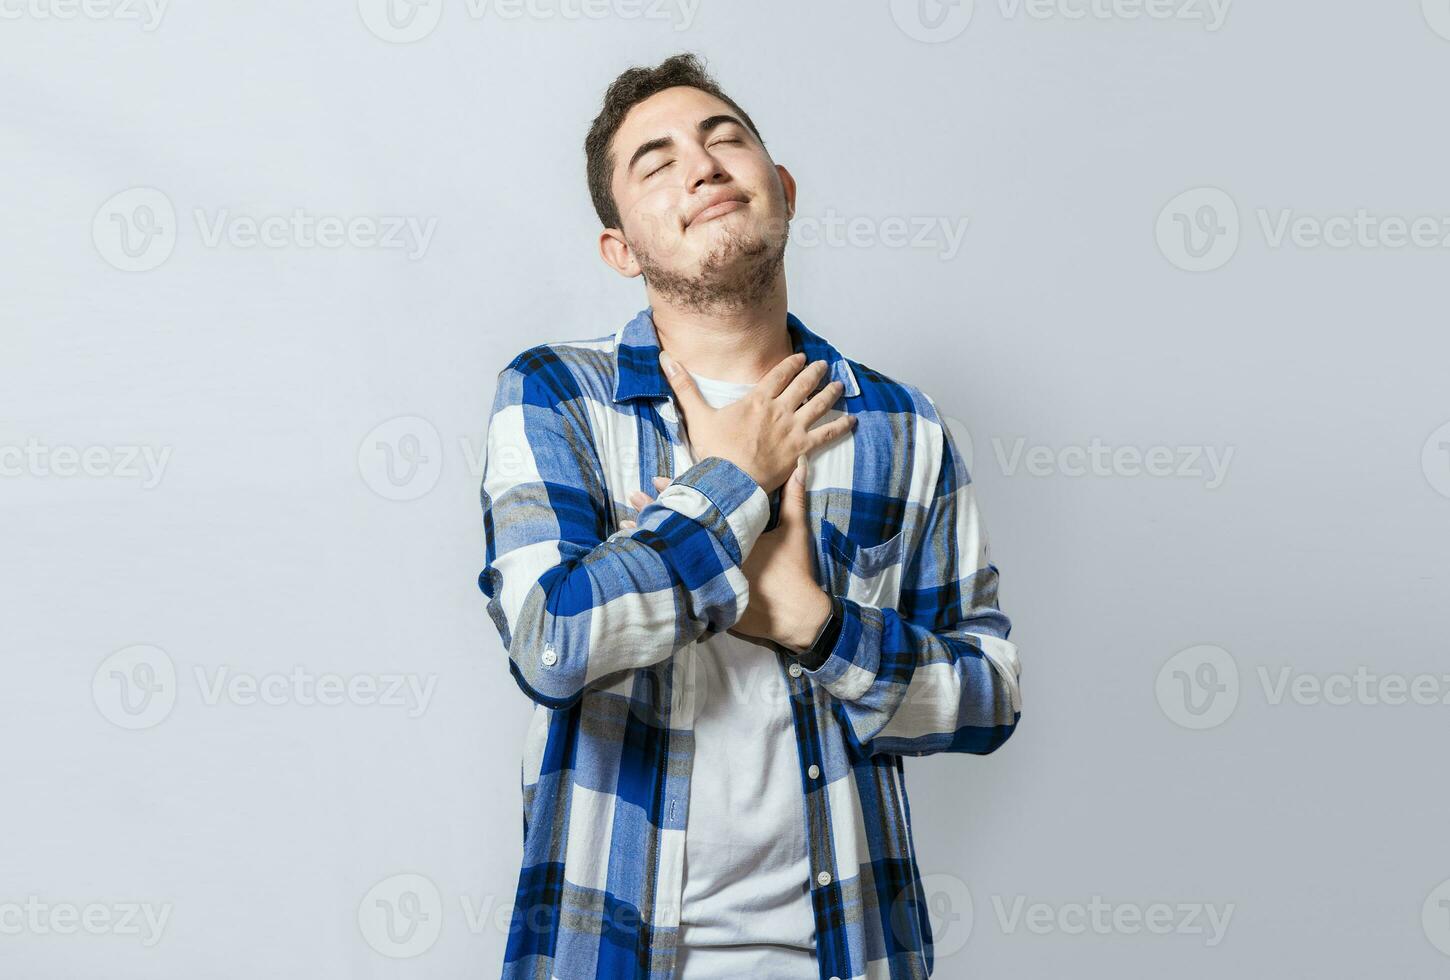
669, 364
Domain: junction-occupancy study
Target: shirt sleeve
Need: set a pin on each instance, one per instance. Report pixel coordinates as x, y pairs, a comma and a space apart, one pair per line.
576, 608
937, 673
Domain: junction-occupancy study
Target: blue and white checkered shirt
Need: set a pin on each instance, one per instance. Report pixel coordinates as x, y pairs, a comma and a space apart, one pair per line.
593, 617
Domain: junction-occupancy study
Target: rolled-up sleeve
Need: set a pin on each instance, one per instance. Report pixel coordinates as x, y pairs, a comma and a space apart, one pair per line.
938, 672
575, 607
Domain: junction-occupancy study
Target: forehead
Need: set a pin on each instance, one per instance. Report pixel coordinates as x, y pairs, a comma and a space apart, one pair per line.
670, 112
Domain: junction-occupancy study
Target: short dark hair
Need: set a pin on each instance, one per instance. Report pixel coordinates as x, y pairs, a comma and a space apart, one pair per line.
632, 87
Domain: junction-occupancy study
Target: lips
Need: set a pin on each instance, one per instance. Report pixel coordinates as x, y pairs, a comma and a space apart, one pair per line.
714, 210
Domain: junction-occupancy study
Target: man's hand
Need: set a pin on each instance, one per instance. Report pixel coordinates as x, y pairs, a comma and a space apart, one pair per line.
786, 604
764, 432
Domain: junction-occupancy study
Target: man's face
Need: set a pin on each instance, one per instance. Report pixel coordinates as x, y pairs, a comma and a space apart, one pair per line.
704, 211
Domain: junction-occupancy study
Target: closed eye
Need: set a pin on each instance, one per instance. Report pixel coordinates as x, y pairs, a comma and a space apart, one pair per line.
658, 169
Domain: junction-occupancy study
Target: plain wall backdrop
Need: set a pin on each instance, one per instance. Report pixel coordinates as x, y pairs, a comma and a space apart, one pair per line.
1176, 269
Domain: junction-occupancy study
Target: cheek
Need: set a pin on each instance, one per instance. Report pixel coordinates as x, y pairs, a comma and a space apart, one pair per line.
763, 181
654, 219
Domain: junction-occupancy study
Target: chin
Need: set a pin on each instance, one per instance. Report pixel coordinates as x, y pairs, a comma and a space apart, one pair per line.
731, 237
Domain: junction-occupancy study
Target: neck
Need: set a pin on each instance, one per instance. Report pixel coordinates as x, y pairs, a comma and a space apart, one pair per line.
728, 344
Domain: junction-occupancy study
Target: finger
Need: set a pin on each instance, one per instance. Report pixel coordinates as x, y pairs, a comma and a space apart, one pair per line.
638, 499
804, 383
793, 497
628, 524
691, 401
821, 402
661, 482
773, 382
833, 429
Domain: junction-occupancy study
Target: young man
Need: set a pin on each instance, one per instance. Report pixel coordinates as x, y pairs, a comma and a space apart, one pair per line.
740, 576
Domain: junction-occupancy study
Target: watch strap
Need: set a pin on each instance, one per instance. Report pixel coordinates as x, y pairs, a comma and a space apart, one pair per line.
814, 656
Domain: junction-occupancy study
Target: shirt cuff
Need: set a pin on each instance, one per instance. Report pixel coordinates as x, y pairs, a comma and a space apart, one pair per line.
726, 500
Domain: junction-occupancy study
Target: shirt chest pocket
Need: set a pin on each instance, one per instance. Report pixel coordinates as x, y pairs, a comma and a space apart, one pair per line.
866, 571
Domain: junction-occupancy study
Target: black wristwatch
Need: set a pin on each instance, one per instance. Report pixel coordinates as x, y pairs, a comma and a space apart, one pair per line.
820, 650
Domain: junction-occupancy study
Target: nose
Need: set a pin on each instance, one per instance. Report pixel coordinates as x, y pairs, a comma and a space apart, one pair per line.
705, 169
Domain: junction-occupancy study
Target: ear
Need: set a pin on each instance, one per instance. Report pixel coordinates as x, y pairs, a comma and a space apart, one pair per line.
617, 254
788, 183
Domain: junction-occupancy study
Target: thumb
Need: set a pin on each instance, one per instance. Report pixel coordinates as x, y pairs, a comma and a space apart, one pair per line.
793, 497
684, 386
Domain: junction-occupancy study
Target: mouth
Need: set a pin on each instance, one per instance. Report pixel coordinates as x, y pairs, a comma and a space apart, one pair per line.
716, 210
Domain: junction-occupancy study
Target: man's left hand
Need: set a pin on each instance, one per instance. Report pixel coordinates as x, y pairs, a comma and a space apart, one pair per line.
786, 605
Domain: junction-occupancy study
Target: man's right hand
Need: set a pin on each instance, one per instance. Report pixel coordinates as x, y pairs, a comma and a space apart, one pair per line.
766, 431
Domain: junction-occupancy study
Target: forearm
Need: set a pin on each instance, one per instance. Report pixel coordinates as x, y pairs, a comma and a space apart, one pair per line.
805, 632
902, 688
822, 627
937, 672
573, 617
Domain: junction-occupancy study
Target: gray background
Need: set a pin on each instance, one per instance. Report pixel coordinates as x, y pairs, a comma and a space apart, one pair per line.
277, 537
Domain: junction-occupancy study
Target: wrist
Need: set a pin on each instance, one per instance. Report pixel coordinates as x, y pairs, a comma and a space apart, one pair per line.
812, 624
819, 652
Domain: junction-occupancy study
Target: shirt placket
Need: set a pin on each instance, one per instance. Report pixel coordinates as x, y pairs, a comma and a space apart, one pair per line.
817, 817
671, 448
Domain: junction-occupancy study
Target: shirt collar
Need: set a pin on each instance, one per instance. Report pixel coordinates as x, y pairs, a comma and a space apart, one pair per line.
639, 375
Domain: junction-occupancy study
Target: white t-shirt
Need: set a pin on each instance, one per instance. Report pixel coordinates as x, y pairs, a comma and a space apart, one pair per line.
746, 909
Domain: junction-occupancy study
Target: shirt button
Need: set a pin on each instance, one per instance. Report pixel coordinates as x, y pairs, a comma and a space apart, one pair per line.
813, 771
824, 878
550, 657
794, 670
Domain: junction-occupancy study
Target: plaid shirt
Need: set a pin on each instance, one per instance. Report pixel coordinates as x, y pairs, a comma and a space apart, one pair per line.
599, 623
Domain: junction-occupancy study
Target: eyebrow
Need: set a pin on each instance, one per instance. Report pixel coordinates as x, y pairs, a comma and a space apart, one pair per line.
663, 142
